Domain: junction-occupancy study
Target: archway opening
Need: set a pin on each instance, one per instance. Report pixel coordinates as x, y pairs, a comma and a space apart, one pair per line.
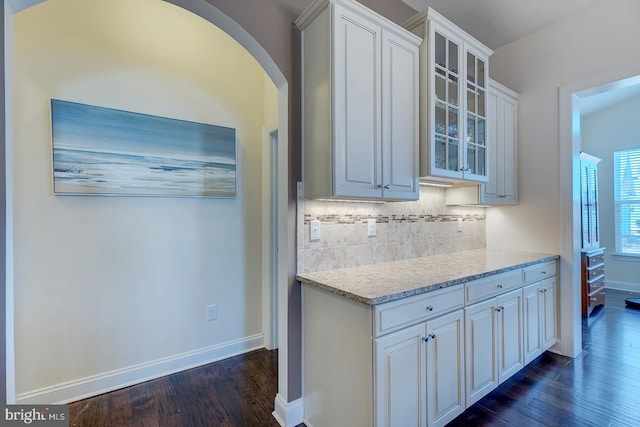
153, 205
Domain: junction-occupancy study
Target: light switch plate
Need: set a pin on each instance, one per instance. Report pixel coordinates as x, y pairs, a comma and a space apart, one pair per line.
314, 230
371, 227
459, 224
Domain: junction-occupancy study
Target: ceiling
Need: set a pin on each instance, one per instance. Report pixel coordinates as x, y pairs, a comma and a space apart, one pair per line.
600, 98
499, 22
494, 22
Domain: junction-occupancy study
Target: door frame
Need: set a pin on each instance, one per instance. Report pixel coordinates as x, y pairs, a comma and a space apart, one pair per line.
270, 241
569, 309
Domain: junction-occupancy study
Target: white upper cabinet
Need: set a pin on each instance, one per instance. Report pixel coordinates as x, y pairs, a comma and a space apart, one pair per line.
454, 74
359, 104
502, 187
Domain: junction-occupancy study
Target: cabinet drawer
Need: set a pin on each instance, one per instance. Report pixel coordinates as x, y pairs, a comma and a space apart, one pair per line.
595, 259
536, 272
595, 285
595, 272
396, 314
490, 286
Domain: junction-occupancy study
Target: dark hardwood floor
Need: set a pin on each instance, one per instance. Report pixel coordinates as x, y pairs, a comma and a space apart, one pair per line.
601, 387
238, 391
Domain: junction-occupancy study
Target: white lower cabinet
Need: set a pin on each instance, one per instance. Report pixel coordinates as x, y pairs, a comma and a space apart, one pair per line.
419, 373
494, 343
422, 360
445, 368
540, 317
400, 378
532, 330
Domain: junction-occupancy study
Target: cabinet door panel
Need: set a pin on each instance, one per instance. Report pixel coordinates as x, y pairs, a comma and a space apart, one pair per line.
400, 378
357, 71
445, 117
509, 156
550, 325
532, 332
480, 347
445, 368
400, 118
510, 358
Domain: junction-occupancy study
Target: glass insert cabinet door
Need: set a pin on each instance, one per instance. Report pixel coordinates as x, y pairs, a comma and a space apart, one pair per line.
475, 162
459, 109
447, 104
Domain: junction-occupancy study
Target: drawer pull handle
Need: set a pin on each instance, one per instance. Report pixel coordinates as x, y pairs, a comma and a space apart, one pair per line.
499, 286
544, 291
543, 272
602, 293
499, 309
594, 299
430, 308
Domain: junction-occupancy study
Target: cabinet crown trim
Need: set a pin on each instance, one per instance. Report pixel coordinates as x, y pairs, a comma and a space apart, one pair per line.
319, 5
431, 15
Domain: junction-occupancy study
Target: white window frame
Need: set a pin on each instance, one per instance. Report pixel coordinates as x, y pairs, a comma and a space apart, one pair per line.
626, 233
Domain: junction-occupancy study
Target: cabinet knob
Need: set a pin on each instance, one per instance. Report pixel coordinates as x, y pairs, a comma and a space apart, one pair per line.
594, 299
499, 286
498, 309
430, 308
429, 337
543, 272
387, 187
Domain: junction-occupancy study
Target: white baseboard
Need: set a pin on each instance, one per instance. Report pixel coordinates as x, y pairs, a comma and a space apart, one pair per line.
622, 286
109, 381
288, 414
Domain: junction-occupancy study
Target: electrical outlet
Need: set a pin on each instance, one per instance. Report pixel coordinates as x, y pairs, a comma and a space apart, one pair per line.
211, 312
459, 224
371, 227
314, 230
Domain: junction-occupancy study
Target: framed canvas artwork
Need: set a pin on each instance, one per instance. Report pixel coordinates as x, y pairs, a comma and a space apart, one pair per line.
104, 151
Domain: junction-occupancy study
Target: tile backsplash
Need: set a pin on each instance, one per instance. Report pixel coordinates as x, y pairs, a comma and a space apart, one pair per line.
403, 230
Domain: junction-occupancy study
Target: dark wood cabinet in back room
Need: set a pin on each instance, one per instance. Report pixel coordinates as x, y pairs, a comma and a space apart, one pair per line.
592, 254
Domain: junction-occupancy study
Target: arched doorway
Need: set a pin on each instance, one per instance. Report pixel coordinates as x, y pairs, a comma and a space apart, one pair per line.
219, 19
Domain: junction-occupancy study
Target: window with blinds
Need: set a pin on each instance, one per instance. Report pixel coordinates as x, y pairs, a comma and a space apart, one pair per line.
627, 200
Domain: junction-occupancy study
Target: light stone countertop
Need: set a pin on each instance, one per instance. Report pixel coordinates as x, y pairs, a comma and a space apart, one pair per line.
379, 283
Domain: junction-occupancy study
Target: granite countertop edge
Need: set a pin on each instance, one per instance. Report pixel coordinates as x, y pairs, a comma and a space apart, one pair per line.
307, 278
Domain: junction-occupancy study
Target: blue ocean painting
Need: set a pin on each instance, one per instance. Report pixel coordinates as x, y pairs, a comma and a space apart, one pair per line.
99, 150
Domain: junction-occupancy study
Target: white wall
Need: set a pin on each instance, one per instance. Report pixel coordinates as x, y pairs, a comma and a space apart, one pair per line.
599, 40
602, 133
103, 284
